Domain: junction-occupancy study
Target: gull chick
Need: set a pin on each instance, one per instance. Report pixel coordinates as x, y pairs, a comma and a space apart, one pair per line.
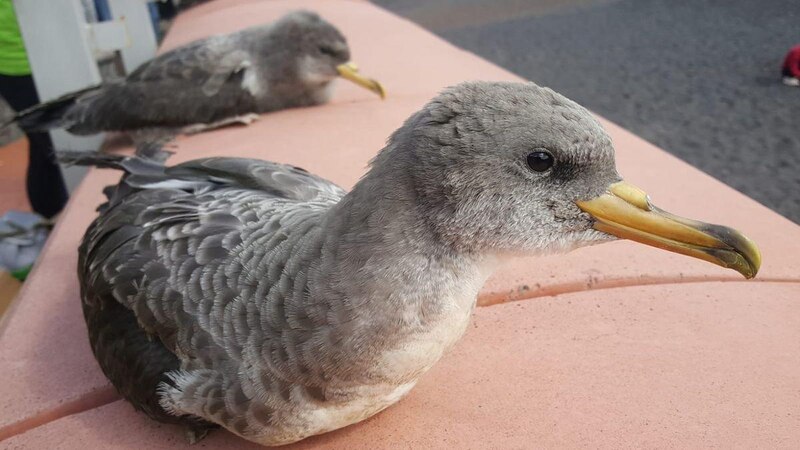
213, 82
266, 300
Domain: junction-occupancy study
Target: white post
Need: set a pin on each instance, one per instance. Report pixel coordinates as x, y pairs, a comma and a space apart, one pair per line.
61, 58
141, 35
62, 50
56, 39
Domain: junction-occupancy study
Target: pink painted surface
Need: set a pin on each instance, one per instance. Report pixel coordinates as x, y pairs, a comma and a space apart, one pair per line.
672, 366
384, 46
49, 372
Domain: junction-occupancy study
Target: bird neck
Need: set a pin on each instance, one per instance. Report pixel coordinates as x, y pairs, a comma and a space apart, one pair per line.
383, 245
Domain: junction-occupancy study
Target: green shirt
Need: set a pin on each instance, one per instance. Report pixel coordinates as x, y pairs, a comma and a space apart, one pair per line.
13, 59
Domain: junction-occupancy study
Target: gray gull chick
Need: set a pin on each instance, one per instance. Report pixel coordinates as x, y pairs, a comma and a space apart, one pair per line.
213, 81
264, 299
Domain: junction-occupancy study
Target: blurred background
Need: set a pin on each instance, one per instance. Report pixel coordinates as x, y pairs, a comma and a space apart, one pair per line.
699, 78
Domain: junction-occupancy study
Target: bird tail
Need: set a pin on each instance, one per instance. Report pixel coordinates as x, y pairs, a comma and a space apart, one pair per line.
149, 154
48, 115
148, 159
91, 158
145, 166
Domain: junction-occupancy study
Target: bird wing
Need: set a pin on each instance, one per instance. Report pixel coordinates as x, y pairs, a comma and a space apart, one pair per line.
202, 82
183, 249
280, 180
208, 63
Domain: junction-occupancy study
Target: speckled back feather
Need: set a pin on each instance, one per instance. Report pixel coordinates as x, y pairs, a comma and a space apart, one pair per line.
160, 288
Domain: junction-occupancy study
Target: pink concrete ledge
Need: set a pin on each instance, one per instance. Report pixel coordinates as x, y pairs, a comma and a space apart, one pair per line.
708, 359
676, 366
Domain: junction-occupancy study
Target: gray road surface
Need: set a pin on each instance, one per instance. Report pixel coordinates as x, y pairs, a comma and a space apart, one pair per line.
699, 78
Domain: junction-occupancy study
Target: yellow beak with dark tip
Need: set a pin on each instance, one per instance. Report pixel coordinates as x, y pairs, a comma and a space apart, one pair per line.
625, 211
350, 72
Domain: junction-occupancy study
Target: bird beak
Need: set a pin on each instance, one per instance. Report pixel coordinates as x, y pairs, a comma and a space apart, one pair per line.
625, 211
350, 72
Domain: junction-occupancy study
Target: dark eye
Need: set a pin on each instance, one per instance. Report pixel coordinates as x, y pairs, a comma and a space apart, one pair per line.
325, 50
540, 161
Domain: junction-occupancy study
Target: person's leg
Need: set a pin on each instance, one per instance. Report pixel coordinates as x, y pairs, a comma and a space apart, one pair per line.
47, 192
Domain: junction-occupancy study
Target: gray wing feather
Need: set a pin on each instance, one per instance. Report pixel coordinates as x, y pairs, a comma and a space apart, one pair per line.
171, 253
237, 61
208, 63
216, 270
197, 83
279, 180
196, 61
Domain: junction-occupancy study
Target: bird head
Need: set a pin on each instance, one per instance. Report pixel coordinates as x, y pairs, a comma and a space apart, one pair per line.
514, 168
320, 51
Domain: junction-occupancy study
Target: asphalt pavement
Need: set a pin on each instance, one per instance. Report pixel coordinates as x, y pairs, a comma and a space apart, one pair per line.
699, 78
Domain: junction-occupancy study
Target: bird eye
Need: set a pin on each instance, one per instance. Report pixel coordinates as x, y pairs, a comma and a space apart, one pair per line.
540, 161
325, 50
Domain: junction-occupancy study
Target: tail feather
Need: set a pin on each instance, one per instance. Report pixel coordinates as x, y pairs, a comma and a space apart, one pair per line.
91, 158
48, 115
148, 159
154, 150
146, 166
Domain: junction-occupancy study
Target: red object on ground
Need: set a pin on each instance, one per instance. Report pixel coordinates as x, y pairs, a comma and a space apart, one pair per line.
791, 64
